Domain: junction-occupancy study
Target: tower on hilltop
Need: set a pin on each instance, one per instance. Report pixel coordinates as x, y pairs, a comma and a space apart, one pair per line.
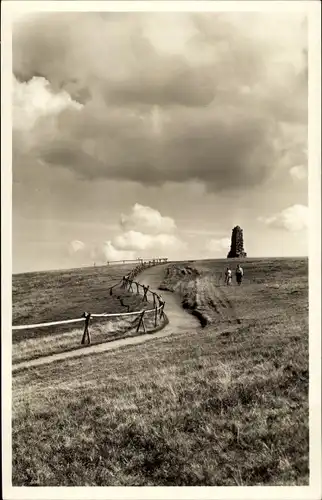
237, 244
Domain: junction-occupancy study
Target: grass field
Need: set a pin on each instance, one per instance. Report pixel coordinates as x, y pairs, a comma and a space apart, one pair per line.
55, 296
275, 288
226, 404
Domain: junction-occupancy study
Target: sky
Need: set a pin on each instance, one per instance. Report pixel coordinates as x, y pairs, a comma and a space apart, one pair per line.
154, 134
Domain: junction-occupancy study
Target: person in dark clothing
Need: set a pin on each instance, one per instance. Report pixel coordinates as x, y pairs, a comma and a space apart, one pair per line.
239, 274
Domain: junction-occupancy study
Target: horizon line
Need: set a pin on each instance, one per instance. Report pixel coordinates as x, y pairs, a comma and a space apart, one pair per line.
168, 262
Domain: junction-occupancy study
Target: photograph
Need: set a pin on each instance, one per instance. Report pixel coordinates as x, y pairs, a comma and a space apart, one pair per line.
160, 229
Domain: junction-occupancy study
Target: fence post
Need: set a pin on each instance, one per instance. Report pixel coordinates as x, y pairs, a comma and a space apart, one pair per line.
156, 317
86, 334
146, 289
141, 322
161, 311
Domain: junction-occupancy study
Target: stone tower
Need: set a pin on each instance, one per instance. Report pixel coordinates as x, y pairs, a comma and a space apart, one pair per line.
237, 244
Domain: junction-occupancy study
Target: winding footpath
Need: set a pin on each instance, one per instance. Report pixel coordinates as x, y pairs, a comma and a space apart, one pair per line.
179, 321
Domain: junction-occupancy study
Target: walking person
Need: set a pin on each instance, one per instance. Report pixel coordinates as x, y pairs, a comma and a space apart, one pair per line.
228, 276
239, 274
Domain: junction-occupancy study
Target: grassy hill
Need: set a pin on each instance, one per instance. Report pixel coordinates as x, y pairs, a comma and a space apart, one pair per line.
226, 404
42, 297
271, 288
57, 295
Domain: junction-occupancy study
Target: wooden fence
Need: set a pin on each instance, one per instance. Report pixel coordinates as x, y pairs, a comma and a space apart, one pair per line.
129, 284
158, 260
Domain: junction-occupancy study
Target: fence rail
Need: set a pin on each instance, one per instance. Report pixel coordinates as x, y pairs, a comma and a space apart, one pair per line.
127, 282
51, 323
157, 260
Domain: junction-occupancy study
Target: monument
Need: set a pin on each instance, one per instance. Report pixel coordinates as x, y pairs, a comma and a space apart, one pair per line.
237, 244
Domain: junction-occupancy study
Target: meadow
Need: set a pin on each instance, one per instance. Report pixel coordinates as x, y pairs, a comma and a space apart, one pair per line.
59, 295
271, 288
222, 404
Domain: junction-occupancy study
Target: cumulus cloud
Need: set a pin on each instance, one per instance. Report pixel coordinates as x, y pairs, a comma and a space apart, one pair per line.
34, 99
111, 253
294, 218
218, 245
77, 253
168, 97
76, 246
134, 240
133, 245
146, 220
152, 237
81, 254
298, 172
146, 231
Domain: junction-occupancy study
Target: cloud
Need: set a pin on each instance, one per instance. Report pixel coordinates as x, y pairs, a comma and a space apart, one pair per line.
146, 220
218, 245
201, 100
134, 240
152, 236
294, 218
34, 99
78, 253
76, 246
85, 254
111, 253
146, 231
298, 172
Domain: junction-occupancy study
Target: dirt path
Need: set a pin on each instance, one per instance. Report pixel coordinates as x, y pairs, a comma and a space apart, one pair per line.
179, 321
215, 302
